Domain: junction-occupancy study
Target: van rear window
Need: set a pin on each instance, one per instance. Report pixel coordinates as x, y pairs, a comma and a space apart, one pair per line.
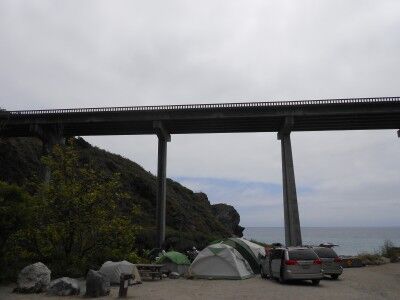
325, 252
302, 254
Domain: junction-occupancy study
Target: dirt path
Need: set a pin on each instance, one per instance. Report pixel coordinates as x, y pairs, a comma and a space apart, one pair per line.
382, 282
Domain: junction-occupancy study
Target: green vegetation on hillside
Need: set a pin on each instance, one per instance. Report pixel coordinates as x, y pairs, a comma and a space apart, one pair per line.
98, 206
72, 223
16, 207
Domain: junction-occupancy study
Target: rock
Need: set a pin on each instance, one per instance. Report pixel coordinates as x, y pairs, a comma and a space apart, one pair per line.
34, 278
228, 216
174, 275
97, 284
203, 198
64, 286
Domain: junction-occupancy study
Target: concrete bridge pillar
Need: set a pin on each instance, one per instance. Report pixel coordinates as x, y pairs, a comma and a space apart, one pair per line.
291, 210
50, 135
163, 139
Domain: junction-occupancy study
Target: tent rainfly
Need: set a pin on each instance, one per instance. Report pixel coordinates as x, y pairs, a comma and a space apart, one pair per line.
113, 270
174, 262
220, 261
249, 250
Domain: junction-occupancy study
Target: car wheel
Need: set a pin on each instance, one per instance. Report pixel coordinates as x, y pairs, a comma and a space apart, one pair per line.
315, 281
335, 276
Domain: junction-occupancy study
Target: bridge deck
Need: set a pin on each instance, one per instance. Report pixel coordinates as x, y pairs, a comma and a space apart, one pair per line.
308, 115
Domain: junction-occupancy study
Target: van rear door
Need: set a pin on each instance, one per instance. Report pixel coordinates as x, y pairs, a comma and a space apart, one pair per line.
276, 262
303, 261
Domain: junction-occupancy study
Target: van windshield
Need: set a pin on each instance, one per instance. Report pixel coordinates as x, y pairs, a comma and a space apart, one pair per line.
302, 254
325, 253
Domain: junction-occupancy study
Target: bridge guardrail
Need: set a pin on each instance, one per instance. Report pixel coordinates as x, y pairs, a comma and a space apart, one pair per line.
207, 106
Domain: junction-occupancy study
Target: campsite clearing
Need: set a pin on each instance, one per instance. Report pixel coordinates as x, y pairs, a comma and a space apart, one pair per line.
375, 282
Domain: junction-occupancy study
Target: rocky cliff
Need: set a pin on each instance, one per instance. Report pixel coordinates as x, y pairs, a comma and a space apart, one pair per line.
191, 219
228, 216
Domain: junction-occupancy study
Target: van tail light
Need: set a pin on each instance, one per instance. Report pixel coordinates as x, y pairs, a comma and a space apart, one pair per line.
338, 259
290, 262
317, 262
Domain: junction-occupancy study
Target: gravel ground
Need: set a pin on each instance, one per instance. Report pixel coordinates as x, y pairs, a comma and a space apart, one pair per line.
378, 282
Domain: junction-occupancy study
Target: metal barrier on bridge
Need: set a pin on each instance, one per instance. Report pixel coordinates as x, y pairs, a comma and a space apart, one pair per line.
208, 106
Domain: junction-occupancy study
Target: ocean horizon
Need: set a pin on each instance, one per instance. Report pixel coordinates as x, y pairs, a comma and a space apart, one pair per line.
351, 240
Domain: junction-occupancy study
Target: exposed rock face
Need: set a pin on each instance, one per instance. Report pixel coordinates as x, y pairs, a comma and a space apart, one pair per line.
228, 216
34, 278
203, 198
97, 284
64, 286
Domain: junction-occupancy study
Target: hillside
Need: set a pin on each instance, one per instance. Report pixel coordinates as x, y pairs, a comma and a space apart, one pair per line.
191, 219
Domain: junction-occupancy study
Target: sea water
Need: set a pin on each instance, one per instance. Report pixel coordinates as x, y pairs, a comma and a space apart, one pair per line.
351, 240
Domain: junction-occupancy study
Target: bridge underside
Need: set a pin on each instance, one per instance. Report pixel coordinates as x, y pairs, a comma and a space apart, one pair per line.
51, 126
310, 117
271, 124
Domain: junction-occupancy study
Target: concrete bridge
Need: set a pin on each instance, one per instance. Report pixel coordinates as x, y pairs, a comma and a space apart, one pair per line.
53, 125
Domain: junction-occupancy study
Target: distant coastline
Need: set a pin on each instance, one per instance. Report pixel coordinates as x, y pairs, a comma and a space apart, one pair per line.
394, 226
351, 240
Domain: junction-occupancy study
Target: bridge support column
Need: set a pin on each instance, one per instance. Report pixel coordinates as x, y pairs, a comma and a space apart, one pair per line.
163, 139
291, 210
50, 136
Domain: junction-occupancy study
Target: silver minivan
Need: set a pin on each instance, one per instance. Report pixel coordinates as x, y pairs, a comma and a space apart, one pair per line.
295, 263
331, 263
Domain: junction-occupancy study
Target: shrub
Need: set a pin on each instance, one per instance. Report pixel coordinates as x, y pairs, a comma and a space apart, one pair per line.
390, 251
76, 223
15, 212
134, 258
371, 259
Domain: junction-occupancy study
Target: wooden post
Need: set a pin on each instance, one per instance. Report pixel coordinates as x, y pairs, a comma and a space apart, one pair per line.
123, 285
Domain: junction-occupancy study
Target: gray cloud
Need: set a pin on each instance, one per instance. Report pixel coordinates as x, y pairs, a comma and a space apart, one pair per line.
102, 53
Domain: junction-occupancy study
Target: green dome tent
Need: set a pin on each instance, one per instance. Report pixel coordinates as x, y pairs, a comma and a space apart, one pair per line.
220, 261
174, 262
250, 251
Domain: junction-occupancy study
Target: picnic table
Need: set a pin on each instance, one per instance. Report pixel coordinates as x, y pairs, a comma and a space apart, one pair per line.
150, 270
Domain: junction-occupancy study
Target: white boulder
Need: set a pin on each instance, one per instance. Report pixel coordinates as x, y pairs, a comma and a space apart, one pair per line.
34, 278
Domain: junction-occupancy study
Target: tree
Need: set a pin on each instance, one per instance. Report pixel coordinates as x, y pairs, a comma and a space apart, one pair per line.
77, 223
15, 212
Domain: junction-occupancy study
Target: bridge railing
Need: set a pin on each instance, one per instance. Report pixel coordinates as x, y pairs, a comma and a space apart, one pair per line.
207, 106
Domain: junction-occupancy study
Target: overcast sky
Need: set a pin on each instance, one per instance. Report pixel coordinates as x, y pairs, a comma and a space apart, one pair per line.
60, 54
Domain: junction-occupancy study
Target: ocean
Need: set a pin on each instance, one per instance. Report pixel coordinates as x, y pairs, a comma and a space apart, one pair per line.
351, 240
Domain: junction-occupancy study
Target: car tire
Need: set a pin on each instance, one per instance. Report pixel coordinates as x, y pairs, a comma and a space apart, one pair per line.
335, 276
315, 281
